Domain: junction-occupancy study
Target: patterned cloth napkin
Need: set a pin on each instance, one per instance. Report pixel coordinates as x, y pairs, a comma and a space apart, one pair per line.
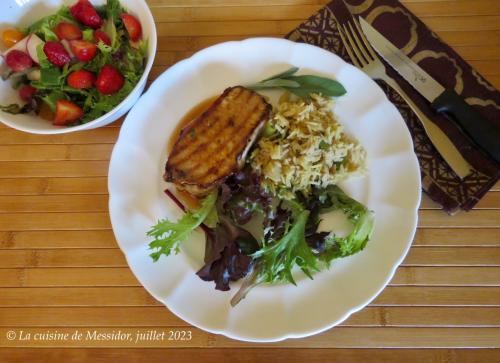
408, 33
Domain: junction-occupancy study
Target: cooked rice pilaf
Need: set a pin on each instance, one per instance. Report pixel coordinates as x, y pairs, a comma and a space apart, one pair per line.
308, 148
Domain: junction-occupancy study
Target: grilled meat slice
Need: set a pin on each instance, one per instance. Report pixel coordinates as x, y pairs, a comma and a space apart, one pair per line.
214, 145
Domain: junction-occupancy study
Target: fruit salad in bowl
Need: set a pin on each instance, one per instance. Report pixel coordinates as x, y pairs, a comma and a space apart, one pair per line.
81, 66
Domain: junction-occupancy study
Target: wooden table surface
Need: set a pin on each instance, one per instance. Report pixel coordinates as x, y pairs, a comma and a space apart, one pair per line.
61, 269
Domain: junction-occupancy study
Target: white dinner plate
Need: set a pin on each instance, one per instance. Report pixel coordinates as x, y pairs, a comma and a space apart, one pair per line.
391, 189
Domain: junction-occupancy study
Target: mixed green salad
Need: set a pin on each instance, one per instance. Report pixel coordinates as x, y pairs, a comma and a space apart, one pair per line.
74, 66
288, 236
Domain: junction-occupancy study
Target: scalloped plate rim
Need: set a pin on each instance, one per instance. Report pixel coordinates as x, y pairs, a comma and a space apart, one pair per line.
164, 77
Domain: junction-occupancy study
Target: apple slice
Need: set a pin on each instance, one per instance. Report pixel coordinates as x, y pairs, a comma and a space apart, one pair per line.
32, 45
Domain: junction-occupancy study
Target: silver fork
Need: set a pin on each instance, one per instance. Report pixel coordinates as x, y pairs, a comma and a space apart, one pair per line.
363, 57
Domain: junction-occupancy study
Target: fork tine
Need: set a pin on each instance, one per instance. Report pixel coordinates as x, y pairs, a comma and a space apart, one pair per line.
367, 44
354, 46
359, 43
348, 47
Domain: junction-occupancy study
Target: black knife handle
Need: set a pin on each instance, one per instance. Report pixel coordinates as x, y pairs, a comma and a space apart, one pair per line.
482, 131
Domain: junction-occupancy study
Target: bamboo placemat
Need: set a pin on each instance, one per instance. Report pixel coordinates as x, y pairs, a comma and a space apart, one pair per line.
61, 270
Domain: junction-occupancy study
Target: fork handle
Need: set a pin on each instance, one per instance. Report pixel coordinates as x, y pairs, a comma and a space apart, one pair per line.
438, 138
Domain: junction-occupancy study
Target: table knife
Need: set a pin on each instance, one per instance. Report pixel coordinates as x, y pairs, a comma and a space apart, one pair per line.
484, 133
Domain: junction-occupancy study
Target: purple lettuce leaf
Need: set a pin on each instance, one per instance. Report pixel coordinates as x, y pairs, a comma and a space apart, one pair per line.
246, 197
226, 254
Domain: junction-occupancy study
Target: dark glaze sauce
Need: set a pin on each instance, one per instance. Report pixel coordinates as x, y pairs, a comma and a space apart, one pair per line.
193, 113
187, 199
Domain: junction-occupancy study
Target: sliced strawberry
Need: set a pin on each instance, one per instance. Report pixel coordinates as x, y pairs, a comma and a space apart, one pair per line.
68, 31
133, 26
99, 35
109, 80
84, 12
84, 51
18, 61
56, 53
26, 92
66, 112
81, 79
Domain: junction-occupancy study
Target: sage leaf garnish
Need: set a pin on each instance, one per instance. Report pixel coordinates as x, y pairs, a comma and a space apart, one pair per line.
275, 83
302, 85
287, 73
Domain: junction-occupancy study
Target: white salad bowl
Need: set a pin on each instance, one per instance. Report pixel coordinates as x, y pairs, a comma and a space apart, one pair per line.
22, 13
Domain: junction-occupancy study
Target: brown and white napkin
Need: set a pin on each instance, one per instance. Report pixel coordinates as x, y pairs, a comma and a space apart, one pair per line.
423, 46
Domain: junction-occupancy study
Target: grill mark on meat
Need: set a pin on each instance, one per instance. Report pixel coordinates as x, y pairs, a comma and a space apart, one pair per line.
237, 141
189, 148
204, 147
208, 146
233, 135
223, 134
249, 136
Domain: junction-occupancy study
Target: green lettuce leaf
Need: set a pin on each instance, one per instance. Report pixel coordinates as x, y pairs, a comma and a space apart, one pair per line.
42, 58
114, 10
113, 26
88, 35
96, 104
361, 218
274, 262
51, 99
278, 258
50, 77
168, 236
43, 27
